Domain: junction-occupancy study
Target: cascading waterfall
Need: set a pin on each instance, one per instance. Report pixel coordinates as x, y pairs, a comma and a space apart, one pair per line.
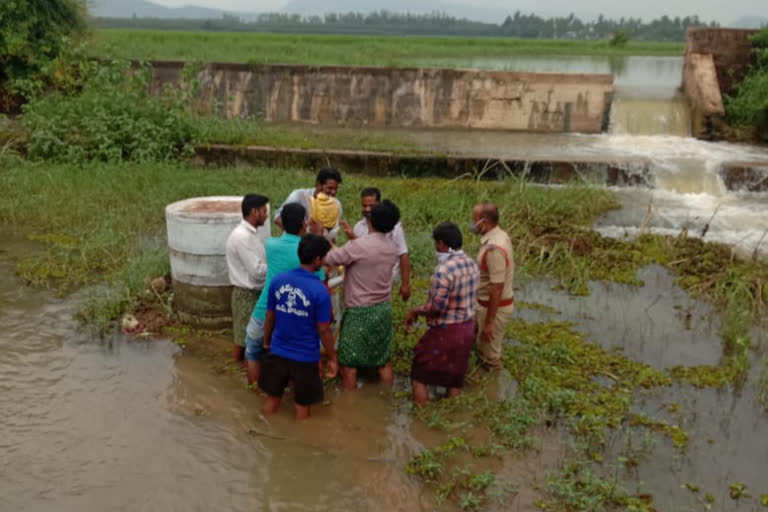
650, 116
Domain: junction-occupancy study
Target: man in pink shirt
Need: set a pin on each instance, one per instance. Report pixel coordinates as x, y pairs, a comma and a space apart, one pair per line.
367, 335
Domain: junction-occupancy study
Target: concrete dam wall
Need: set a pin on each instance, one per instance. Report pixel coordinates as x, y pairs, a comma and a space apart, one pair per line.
715, 60
402, 97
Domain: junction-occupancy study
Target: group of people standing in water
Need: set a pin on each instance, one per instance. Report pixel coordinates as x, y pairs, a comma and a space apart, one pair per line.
285, 300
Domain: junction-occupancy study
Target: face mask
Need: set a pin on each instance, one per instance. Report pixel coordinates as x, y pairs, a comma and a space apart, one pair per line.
442, 257
475, 228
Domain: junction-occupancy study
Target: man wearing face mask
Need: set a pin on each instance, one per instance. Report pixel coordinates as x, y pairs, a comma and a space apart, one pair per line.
495, 297
441, 357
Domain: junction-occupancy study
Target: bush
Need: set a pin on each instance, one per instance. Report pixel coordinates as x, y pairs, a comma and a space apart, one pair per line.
110, 117
620, 39
32, 34
748, 107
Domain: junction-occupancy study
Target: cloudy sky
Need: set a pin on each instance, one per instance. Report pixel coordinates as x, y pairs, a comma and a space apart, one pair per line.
724, 11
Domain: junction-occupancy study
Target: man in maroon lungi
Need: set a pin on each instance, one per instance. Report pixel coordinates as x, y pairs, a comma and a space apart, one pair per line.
441, 357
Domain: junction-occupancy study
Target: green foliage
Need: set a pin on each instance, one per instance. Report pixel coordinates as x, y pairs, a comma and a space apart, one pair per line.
345, 50
433, 24
577, 486
737, 490
620, 39
748, 107
255, 132
110, 117
32, 34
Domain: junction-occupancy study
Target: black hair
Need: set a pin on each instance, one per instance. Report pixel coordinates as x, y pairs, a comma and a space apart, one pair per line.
311, 247
384, 216
448, 233
251, 201
490, 211
371, 192
293, 216
328, 174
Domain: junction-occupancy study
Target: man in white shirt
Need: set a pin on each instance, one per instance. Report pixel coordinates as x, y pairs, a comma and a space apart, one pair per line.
369, 198
327, 182
247, 265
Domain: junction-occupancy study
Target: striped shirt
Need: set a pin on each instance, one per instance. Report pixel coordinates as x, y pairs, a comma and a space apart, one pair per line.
453, 291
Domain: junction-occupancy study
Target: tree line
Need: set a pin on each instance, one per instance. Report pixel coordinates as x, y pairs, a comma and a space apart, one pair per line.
384, 22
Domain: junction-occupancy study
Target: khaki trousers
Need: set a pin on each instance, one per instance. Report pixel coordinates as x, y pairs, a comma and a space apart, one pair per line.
490, 353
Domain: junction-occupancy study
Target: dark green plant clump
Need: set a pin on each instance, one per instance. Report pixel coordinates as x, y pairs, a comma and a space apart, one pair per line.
32, 34
748, 107
110, 116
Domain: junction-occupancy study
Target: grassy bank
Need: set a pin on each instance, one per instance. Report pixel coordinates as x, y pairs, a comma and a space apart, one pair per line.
247, 132
108, 222
345, 50
103, 223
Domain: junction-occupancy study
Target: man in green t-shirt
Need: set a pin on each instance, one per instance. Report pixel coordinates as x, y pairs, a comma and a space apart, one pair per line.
282, 255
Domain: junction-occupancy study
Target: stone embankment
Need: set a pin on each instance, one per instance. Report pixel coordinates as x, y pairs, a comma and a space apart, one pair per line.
401, 97
715, 60
635, 172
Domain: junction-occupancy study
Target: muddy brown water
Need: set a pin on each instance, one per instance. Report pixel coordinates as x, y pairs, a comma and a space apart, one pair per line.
119, 424
112, 423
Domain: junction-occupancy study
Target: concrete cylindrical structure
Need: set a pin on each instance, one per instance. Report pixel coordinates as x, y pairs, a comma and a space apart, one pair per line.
198, 229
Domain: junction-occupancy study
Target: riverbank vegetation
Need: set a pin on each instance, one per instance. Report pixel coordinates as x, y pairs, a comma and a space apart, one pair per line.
347, 50
379, 23
109, 232
32, 35
92, 191
747, 108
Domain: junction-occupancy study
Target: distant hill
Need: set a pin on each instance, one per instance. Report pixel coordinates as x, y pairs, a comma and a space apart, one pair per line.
144, 9
750, 22
311, 7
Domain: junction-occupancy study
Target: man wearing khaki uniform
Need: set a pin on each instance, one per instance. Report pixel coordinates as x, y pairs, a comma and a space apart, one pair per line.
495, 297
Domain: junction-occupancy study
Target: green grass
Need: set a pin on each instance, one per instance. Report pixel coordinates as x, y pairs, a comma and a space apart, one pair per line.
105, 223
247, 132
344, 50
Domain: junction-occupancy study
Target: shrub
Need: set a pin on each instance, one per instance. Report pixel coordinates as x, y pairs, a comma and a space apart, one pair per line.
32, 34
620, 39
111, 117
748, 107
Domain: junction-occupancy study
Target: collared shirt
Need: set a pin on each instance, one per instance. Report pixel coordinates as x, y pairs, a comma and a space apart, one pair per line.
497, 264
301, 196
246, 259
453, 291
397, 235
300, 301
368, 269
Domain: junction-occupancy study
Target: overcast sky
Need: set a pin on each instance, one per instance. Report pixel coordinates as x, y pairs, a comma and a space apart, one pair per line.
724, 11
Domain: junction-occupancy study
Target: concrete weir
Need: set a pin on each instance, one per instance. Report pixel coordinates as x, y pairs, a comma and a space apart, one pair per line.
715, 60
401, 97
634, 172
750, 176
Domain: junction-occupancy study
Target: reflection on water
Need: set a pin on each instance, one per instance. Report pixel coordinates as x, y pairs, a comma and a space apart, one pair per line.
657, 324
662, 326
655, 76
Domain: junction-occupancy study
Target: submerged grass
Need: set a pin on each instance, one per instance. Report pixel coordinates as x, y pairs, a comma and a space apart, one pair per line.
346, 50
105, 224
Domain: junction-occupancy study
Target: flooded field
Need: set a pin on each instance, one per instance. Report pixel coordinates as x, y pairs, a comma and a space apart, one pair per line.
660, 325
113, 423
